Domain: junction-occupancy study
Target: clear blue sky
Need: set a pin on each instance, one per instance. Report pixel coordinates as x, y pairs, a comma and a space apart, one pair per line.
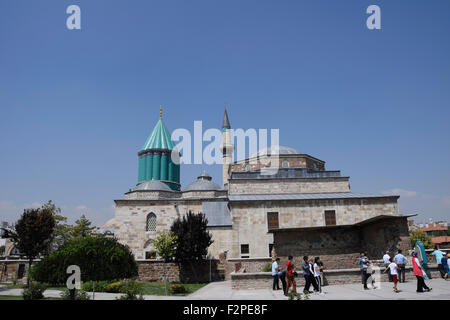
76, 106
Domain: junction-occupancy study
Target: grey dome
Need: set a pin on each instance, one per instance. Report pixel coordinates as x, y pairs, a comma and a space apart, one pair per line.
152, 185
280, 150
203, 183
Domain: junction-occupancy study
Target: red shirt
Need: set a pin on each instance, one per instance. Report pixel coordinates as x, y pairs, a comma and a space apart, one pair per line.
289, 268
417, 268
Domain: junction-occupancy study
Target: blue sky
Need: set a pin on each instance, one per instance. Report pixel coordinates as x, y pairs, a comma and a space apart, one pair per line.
77, 105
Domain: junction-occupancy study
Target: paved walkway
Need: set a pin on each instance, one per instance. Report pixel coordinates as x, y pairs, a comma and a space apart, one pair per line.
222, 291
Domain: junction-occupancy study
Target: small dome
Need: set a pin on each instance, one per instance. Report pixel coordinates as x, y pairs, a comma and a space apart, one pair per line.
280, 150
204, 176
203, 183
152, 185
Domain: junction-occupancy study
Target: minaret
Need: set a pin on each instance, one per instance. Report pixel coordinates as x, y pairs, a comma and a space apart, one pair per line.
227, 148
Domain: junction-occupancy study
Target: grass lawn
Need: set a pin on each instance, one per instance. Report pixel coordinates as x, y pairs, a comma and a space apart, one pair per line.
21, 298
157, 288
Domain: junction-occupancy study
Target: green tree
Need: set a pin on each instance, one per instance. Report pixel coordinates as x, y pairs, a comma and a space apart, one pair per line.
193, 239
32, 233
99, 258
415, 235
165, 245
62, 229
82, 228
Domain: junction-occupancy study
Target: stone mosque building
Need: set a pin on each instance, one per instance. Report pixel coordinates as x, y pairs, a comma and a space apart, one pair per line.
302, 209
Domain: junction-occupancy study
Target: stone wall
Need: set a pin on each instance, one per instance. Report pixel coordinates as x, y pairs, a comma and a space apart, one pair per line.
154, 270
222, 240
250, 226
386, 234
340, 247
301, 185
11, 270
264, 280
295, 161
131, 218
251, 265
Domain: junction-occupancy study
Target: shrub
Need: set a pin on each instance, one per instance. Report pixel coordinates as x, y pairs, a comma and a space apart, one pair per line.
99, 258
34, 292
132, 289
177, 288
79, 295
267, 267
114, 287
100, 286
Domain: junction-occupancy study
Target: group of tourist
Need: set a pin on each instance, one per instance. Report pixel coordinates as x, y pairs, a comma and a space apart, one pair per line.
396, 268
312, 272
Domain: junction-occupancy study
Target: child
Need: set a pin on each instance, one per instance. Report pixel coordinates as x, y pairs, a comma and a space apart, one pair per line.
392, 267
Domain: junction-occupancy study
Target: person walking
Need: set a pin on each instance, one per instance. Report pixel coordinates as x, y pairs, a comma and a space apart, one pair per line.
282, 276
401, 262
444, 262
290, 276
323, 280
306, 274
438, 254
360, 260
386, 261
317, 269
392, 267
365, 263
275, 270
418, 272
312, 277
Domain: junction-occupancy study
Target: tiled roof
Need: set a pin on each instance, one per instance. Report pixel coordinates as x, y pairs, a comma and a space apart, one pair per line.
217, 213
441, 239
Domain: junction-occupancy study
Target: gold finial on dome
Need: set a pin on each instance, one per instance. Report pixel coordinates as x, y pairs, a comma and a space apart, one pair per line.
160, 111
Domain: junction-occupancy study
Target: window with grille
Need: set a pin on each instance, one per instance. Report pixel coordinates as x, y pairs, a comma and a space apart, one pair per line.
330, 217
272, 220
245, 249
151, 222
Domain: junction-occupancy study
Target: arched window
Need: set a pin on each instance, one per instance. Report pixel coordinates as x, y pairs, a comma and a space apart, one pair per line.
285, 164
151, 222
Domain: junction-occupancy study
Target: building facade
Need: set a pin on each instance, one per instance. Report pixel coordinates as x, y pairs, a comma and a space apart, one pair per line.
253, 207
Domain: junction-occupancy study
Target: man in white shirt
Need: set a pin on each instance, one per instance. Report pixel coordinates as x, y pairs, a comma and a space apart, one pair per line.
387, 262
401, 262
275, 269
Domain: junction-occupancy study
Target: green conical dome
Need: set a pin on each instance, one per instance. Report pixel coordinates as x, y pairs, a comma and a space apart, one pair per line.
155, 158
159, 138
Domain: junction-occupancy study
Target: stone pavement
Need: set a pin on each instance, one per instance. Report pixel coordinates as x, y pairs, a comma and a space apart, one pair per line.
222, 291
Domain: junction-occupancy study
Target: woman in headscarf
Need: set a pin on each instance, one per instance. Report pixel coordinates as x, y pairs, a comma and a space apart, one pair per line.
418, 272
